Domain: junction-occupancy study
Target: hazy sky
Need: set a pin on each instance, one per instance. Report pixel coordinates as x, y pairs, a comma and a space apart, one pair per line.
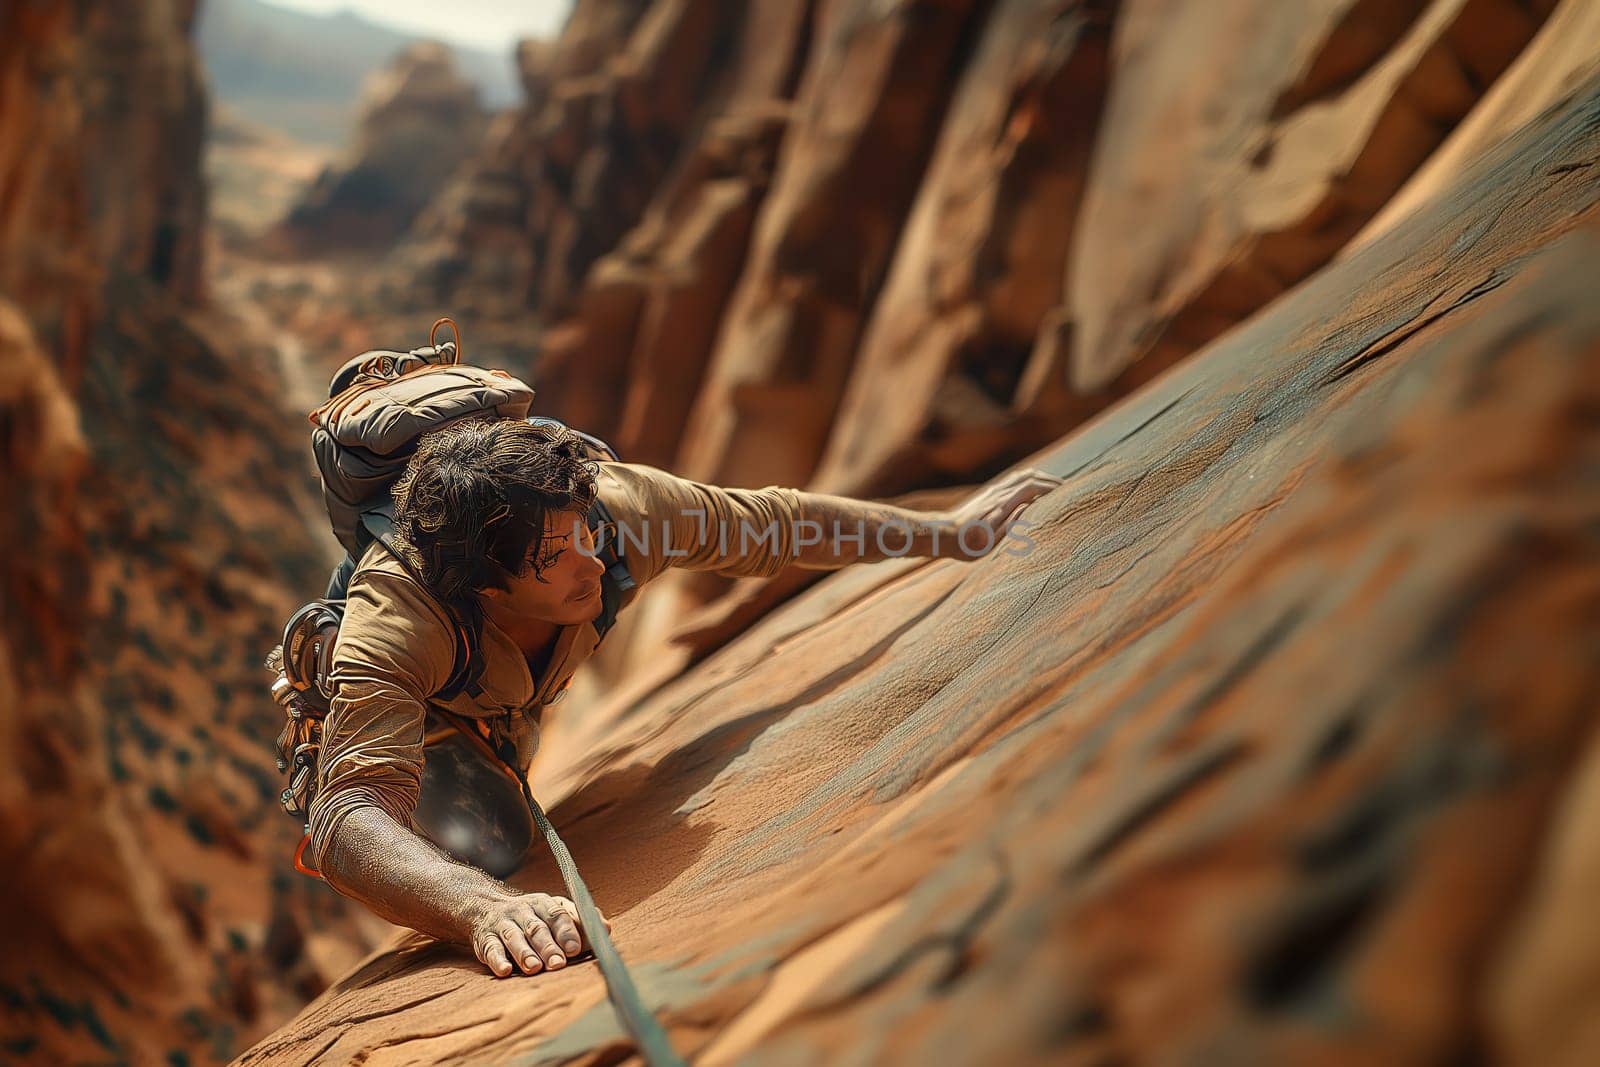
491, 24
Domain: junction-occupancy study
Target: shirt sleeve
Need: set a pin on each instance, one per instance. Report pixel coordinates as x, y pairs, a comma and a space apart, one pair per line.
667, 521
395, 649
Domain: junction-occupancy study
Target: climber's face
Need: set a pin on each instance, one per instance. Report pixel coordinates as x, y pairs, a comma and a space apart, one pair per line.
566, 590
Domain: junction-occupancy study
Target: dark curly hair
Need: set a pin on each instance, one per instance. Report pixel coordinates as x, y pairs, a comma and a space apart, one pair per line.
475, 497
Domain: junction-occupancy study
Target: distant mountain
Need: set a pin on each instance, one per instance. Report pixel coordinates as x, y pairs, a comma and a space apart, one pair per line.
302, 73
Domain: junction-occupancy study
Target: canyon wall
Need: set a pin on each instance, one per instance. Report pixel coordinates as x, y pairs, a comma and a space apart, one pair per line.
152, 533
1275, 743
871, 247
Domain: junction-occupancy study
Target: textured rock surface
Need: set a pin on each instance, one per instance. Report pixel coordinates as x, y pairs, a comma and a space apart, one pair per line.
871, 247
420, 122
939, 376
150, 537
1246, 143
1554, 64
84, 87
1268, 749
865, 119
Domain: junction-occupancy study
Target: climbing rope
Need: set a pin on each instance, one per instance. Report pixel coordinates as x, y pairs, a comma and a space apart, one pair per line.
637, 1019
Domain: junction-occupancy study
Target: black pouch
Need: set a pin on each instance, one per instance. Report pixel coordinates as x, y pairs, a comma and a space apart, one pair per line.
472, 809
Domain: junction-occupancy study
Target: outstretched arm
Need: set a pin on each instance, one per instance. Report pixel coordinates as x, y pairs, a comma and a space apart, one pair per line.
863, 531
675, 522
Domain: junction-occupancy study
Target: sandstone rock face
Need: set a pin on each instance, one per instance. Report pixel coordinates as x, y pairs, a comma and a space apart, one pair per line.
1552, 66
151, 535
45, 239
1267, 742
641, 340
82, 88
420, 122
877, 246
935, 389
865, 118
142, 100
1246, 143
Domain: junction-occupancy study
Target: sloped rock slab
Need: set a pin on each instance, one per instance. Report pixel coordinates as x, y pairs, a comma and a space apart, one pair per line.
1251, 757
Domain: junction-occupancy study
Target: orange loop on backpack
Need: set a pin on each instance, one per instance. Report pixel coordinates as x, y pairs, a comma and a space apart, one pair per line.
454, 329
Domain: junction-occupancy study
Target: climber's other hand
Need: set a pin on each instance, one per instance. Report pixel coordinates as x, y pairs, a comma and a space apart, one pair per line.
985, 518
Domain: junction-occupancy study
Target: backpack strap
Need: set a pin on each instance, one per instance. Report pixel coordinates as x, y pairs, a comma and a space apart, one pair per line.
339, 580
617, 581
468, 673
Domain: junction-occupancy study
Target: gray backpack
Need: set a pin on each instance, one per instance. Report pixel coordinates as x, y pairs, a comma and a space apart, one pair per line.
380, 403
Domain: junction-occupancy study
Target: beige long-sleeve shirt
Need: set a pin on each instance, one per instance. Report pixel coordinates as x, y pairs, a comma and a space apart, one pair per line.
396, 648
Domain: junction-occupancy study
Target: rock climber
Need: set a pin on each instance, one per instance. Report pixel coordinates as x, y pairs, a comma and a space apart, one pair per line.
491, 525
